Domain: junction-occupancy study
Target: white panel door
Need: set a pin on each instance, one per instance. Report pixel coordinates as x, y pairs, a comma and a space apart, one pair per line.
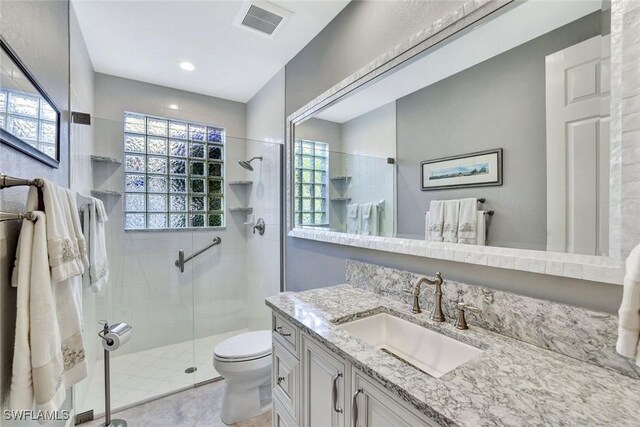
323, 387
577, 110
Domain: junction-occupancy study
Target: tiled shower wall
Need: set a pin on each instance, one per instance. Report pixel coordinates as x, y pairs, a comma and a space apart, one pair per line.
146, 289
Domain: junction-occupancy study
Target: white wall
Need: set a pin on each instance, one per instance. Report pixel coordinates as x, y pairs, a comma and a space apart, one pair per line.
146, 289
265, 122
368, 141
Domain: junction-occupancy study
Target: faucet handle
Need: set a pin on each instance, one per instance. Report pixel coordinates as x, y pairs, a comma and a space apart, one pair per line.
461, 322
409, 289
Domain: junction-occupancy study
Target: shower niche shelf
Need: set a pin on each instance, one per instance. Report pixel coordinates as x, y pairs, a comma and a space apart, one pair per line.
341, 178
105, 159
240, 182
98, 193
241, 209
340, 199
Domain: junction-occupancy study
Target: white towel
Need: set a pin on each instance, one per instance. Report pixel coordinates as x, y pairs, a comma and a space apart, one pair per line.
353, 218
369, 219
98, 269
38, 362
435, 221
67, 248
629, 312
468, 221
66, 265
481, 232
451, 216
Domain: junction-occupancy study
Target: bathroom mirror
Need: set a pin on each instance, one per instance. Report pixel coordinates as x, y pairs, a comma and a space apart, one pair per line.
501, 128
29, 120
505, 102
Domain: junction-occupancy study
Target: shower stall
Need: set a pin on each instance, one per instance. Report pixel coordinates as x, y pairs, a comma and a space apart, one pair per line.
179, 310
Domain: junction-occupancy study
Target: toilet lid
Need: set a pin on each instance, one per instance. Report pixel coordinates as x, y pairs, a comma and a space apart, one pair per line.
243, 346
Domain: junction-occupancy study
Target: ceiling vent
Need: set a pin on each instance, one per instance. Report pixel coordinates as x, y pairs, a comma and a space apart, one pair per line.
262, 17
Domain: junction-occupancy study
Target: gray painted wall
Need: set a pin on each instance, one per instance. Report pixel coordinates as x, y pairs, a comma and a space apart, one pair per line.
39, 33
361, 32
450, 118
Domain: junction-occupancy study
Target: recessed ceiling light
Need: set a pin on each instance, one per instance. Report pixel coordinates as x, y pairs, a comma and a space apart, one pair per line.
187, 66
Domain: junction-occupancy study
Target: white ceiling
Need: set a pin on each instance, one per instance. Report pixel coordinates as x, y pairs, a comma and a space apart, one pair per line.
146, 41
518, 25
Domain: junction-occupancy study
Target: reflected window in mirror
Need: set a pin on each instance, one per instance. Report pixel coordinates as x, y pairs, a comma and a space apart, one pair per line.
311, 169
29, 121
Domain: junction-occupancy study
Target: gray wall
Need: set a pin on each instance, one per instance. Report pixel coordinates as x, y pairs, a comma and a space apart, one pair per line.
361, 32
39, 33
450, 118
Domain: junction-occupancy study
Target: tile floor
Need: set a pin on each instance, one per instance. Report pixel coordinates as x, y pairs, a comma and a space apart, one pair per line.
196, 407
144, 375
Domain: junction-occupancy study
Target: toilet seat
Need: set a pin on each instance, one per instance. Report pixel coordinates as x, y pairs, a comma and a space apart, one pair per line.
244, 347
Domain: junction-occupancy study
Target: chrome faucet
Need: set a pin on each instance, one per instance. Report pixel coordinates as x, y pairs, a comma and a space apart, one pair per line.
436, 315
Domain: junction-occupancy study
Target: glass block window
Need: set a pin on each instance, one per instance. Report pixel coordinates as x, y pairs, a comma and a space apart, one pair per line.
311, 188
30, 118
174, 174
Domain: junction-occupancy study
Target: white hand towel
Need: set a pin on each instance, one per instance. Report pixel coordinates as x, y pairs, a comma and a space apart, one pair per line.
67, 249
98, 270
451, 216
468, 221
38, 363
481, 233
435, 221
353, 218
629, 312
68, 299
367, 219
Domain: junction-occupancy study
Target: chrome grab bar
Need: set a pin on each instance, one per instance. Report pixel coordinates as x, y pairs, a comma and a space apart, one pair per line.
181, 261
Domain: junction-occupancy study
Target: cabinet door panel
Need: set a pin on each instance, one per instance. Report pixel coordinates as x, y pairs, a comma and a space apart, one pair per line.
324, 378
377, 407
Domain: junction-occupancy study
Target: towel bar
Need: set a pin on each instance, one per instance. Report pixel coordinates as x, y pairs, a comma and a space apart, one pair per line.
12, 216
10, 181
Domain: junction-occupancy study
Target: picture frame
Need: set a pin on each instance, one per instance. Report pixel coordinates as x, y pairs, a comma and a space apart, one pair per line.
478, 169
29, 119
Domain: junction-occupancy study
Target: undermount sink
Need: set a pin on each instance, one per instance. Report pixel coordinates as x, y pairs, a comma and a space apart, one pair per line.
424, 349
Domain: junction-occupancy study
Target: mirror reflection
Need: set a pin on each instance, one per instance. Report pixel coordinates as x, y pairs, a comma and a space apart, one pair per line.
28, 120
505, 143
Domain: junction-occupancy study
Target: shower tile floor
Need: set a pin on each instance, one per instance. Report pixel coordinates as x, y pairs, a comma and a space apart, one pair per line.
139, 377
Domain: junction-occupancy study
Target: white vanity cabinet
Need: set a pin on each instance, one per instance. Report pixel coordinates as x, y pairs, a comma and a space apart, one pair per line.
314, 387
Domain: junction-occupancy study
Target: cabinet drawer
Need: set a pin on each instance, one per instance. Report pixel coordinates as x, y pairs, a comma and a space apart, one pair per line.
285, 333
280, 416
286, 379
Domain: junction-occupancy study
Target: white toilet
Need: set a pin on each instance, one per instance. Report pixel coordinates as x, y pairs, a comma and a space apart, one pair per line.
245, 363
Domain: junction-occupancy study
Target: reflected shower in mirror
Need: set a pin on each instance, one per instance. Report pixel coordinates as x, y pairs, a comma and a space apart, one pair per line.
513, 110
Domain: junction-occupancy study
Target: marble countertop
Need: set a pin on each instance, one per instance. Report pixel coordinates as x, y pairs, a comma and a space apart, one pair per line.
511, 383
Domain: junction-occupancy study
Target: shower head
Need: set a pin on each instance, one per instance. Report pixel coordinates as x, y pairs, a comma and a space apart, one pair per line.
247, 163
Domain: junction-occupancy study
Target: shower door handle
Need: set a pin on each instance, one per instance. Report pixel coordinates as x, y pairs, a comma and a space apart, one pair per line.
180, 261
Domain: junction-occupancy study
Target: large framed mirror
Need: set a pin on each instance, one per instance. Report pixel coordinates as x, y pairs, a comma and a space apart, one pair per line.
487, 142
29, 120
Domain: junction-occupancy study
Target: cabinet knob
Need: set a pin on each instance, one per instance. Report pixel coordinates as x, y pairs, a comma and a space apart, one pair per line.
279, 380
